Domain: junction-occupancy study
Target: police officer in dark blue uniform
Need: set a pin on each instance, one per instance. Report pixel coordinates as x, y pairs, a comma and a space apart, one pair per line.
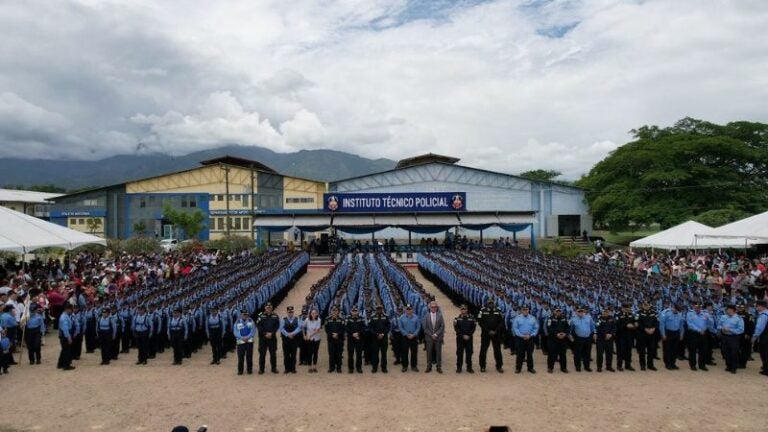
379, 326
605, 334
334, 328
355, 329
557, 334
268, 326
491, 332
465, 327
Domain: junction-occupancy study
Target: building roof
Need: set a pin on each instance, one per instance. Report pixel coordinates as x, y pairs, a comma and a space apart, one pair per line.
13, 195
426, 158
238, 161
427, 161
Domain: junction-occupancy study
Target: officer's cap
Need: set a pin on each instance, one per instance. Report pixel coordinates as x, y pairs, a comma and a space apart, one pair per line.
697, 303
490, 301
524, 307
289, 308
268, 305
558, 309
244, 311
105, 310
354, 309
731, 306
580, 309
463, 307
762, 303
408, 307
740, 306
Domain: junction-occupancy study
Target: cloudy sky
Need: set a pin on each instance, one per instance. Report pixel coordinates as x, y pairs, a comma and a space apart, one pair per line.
506, 85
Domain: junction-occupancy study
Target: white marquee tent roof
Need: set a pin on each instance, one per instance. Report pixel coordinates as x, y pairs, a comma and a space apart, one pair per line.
744, 232
683, 236
23, 233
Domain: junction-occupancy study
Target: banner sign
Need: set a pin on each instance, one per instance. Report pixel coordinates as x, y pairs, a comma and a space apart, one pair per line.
78, 213
410, 202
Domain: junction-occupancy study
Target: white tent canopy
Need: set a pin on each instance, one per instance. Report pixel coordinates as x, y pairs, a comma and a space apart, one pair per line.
22, 233
742, 233
683, 236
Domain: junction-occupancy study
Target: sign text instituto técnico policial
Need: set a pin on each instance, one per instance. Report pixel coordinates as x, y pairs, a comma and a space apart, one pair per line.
395, 202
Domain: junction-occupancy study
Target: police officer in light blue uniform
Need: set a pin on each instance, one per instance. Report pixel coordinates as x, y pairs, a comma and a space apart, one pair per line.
214, 331
732, 331
77, 333
525, 327
672, 330
244, 331
34, 333
697, 321
582, 330
107, 332
761, 334
141, 326
177, 334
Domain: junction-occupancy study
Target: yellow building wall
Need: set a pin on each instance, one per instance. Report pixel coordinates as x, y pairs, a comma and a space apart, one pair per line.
206, 179
81, 224
297, 194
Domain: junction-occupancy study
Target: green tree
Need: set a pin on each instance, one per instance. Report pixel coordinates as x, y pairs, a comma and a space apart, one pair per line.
140, 229
669, 175
541, 175
93, 225
191, 222
719, 217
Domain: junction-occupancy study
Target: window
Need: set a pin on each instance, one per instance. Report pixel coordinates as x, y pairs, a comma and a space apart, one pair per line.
245, 200
142, 202
237, 224
219, 197
73, 221
193, 202
221, 224
81, 221
183, 201
247, 223
90, 202
211, 197
304, 200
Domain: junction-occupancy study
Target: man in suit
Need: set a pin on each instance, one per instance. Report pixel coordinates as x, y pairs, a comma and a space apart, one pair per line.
434, 330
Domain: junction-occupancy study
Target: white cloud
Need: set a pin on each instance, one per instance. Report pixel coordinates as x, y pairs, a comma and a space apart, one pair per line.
477, 80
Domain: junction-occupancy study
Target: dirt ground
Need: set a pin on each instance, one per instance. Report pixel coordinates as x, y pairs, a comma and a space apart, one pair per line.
125, 397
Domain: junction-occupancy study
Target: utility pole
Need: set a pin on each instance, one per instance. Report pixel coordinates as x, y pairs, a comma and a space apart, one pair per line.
226, 196
253, 205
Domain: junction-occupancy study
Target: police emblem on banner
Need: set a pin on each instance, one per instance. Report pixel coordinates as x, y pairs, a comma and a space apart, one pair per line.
333, 203
457, 202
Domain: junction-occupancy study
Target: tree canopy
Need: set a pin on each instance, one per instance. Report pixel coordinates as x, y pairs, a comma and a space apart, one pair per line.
191, 222
541, 175
669, 175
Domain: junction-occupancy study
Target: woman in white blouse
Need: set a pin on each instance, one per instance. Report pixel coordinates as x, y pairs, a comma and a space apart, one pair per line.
313, 325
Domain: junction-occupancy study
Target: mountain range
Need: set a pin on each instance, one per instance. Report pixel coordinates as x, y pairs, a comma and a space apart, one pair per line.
323, 165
